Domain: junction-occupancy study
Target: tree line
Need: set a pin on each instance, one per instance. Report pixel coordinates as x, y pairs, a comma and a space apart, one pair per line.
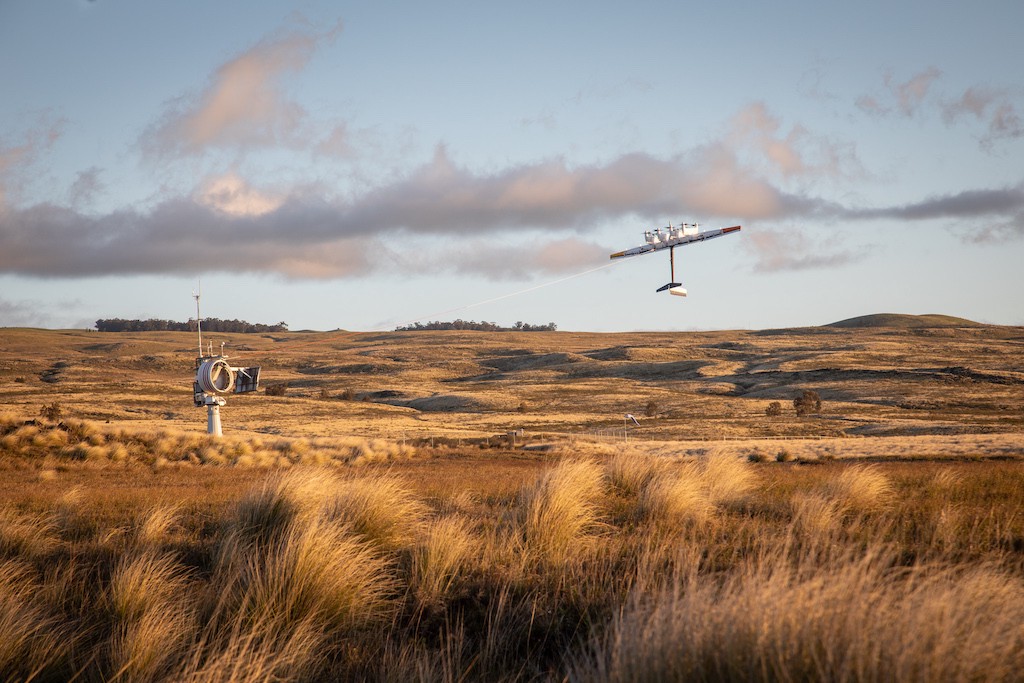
482, 326
209, 325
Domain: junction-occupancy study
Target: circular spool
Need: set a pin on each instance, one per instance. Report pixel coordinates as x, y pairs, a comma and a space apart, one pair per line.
215, 376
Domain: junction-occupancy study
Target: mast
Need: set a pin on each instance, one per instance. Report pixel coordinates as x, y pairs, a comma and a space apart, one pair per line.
199, 319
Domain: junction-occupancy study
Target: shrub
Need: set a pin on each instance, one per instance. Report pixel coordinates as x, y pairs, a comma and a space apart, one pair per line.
52, 412
651, 409
348, 395
774, 409
807, 403
279, 389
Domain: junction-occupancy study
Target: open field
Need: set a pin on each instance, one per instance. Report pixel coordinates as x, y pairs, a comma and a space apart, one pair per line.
473, 385
325, 538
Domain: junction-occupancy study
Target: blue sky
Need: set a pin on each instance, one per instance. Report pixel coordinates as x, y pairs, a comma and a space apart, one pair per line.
364, 165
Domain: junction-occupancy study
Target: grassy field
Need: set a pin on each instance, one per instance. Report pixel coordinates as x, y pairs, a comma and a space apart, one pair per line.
325, 538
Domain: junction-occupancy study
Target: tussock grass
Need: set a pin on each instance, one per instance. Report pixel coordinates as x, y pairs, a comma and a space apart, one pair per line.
676, 496
860, 488
557, 511
315, 571
26, 535
156, 525
814, 515
143, 583
152, 615
84, 441
512, 571
847, 619
31, 641
630, 472
252, 652
438, 556
267, 512
726, 477
378, 507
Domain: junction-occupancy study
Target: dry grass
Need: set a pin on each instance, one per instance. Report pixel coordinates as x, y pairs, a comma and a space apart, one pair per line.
438, 557
561, 508
152, 617
674, 497
860, 488
377, 507
605, 562
852, 618
631, 472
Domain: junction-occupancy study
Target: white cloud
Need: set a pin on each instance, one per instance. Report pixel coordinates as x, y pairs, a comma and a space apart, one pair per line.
231, 194
245, 103
795, 153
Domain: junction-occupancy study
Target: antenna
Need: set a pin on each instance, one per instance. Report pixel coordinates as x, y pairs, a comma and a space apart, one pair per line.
199, 319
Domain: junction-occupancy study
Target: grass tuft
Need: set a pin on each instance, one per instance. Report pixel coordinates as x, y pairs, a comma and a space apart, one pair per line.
561, 508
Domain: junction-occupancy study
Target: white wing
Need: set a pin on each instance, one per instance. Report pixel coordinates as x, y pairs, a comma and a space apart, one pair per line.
677, 242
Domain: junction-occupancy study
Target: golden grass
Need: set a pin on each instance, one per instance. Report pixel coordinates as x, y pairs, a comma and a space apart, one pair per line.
31, 641
854, 618
674, 497
152, 617
515, 568
557, 511
860, 487
438, 556
377, 507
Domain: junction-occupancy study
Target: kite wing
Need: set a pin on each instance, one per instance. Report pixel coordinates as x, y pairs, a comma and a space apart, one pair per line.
680, 241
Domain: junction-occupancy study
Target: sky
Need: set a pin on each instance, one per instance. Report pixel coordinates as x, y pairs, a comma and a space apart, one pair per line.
359, 166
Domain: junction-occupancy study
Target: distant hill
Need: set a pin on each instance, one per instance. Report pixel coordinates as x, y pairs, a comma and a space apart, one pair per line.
904, 321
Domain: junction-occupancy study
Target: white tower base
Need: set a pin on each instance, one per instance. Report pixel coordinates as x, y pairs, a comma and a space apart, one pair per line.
213, 404
213, 421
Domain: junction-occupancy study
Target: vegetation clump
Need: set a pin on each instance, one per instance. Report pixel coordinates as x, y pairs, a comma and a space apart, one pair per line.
807, 403
482, 326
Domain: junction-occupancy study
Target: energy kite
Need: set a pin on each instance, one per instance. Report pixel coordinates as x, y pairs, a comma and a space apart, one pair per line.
670, 238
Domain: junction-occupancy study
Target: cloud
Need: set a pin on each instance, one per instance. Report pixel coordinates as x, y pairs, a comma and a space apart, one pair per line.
967, 204
904, 97
30, 313
16, 158
86, 186
244, 104
796, 153
912, 92
229, 225
993, 107
793, 250
232, 195
508, 260
441, 197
